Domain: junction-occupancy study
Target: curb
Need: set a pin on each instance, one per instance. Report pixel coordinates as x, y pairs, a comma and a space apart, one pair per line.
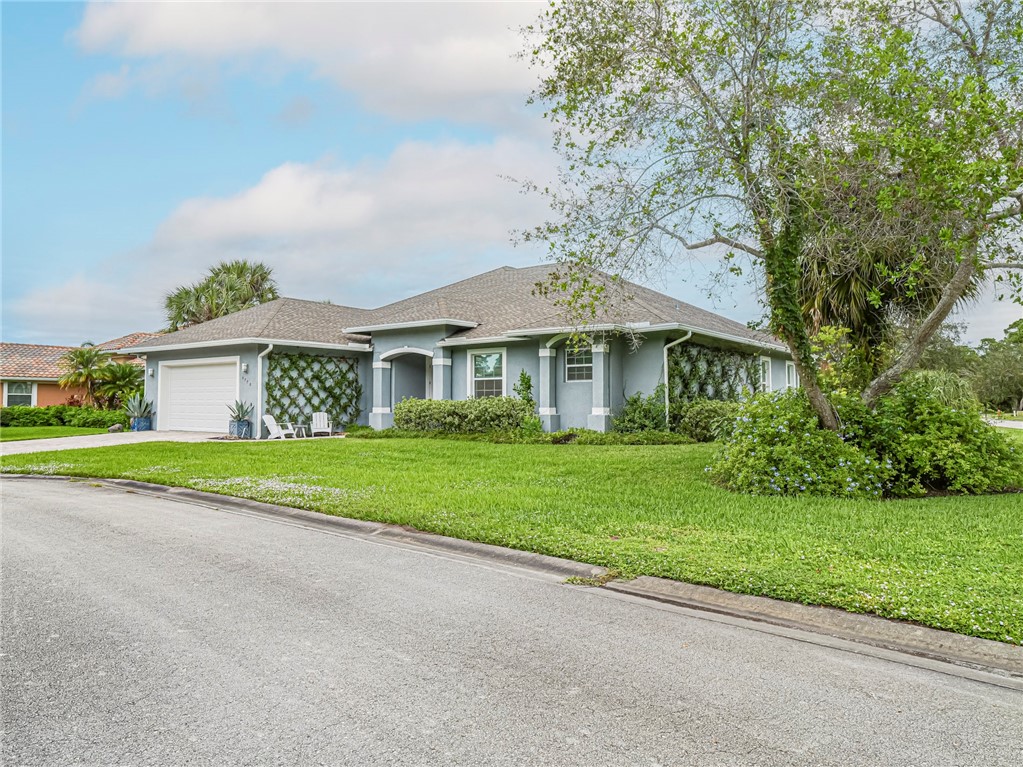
406, 535
874, 631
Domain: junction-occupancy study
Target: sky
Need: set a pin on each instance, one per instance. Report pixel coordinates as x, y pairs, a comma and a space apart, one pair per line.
365, 151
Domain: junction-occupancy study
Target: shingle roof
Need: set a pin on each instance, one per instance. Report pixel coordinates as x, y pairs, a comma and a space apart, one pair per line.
504, 300
285, 319
500, 302
31, 360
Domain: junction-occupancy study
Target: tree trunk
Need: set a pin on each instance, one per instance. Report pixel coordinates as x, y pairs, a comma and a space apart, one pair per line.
818, 400
915, 348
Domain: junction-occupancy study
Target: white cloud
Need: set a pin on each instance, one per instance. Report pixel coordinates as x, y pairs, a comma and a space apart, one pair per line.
369, 233
361, 235
987, 317
83, 309
408, 60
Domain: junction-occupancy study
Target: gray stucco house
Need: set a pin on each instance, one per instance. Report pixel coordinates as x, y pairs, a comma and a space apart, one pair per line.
470, 339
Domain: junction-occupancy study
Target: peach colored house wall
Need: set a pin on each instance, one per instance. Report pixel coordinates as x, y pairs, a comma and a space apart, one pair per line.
52, 394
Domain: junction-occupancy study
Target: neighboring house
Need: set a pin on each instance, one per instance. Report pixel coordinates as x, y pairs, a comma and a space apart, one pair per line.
471, 339
117, 346
30, 372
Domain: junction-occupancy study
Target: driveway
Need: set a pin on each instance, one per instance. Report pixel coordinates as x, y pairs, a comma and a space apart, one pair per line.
142, 630
102, 440
1006, 424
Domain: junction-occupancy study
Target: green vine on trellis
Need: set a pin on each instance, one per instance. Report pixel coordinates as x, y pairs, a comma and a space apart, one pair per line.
300, 384
701, 372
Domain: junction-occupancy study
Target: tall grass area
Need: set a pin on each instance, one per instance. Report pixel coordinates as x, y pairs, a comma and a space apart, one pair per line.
954, 562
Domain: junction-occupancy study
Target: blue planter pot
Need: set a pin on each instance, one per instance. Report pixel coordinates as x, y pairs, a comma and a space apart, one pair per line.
240, 429
141, 424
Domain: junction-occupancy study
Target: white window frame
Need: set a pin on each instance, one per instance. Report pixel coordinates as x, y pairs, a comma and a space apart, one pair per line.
766, 384
34, 392
470, 388
791, 376
568, 351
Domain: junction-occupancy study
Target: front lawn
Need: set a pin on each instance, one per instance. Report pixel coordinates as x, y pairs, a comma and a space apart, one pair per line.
17, 433
954, 563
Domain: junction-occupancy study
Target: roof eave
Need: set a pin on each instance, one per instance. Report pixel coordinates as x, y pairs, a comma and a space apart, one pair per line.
477, 341
354, 347
650, 328
467, 324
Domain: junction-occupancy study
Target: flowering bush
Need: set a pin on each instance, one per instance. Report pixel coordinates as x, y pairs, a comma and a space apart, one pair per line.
924, 437
778, 448
931, 431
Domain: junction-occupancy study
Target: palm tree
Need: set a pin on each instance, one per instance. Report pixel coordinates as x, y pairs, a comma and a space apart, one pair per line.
118, 381
83, 367
228, 287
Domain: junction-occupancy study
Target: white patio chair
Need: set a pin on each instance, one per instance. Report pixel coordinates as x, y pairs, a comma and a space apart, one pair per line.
276, 431
321, 425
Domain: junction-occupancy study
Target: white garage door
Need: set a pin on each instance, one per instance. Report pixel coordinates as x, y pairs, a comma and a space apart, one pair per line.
195, 396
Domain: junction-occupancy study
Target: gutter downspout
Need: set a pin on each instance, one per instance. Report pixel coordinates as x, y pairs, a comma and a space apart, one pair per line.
259, 387
684, 338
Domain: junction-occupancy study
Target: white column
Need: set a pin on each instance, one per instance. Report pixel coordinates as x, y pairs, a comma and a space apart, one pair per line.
547, 394
441, 373
600, 415
382, 416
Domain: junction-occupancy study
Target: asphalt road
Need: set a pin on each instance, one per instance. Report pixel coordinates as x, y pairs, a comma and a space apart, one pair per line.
143, 631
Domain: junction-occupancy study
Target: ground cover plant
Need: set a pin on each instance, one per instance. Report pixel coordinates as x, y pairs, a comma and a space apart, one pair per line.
18, 433
950, 562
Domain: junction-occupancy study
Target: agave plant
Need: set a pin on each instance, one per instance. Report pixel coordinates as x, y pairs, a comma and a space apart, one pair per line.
240, 411
137, 406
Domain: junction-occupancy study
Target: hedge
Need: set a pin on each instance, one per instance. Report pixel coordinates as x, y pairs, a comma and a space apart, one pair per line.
61, 415
470, 416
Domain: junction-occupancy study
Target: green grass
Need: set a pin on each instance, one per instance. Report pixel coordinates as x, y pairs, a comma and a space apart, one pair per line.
954, 562
17, 433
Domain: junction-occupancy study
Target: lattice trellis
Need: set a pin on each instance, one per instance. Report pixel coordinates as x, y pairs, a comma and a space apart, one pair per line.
696, 372
298, 385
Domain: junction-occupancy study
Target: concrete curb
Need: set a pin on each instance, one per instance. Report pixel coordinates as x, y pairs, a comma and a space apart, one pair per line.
874, 631
908, 638
379, 530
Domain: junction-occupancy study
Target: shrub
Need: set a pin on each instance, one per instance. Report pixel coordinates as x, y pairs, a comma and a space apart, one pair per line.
462, 416
709, 420
61, 415
778, 448
91, 418
24, 415
930, 430
526, 436
641, 413
524, 389
913, 443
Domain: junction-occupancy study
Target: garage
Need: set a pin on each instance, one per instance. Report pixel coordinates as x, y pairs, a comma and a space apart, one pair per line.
195, 394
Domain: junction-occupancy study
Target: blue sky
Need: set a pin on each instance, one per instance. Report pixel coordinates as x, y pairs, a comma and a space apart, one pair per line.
360, 149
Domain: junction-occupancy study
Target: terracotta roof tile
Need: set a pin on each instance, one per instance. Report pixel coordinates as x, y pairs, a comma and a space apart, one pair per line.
132, 339
31, 361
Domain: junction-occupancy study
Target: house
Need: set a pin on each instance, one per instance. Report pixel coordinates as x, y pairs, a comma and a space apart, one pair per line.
30, 372
291, 357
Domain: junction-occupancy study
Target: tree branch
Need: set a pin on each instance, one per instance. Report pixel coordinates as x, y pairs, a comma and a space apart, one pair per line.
717, 239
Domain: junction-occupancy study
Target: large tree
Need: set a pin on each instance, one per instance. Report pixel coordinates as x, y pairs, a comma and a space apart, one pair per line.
866, 157
228, 287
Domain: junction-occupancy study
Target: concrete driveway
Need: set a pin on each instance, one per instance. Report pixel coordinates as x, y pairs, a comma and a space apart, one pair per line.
102, 440
143, 630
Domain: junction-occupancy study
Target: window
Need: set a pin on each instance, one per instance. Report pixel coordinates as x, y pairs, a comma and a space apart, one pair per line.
765, 374
791, 377
18, 393
578, 364
486, 371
